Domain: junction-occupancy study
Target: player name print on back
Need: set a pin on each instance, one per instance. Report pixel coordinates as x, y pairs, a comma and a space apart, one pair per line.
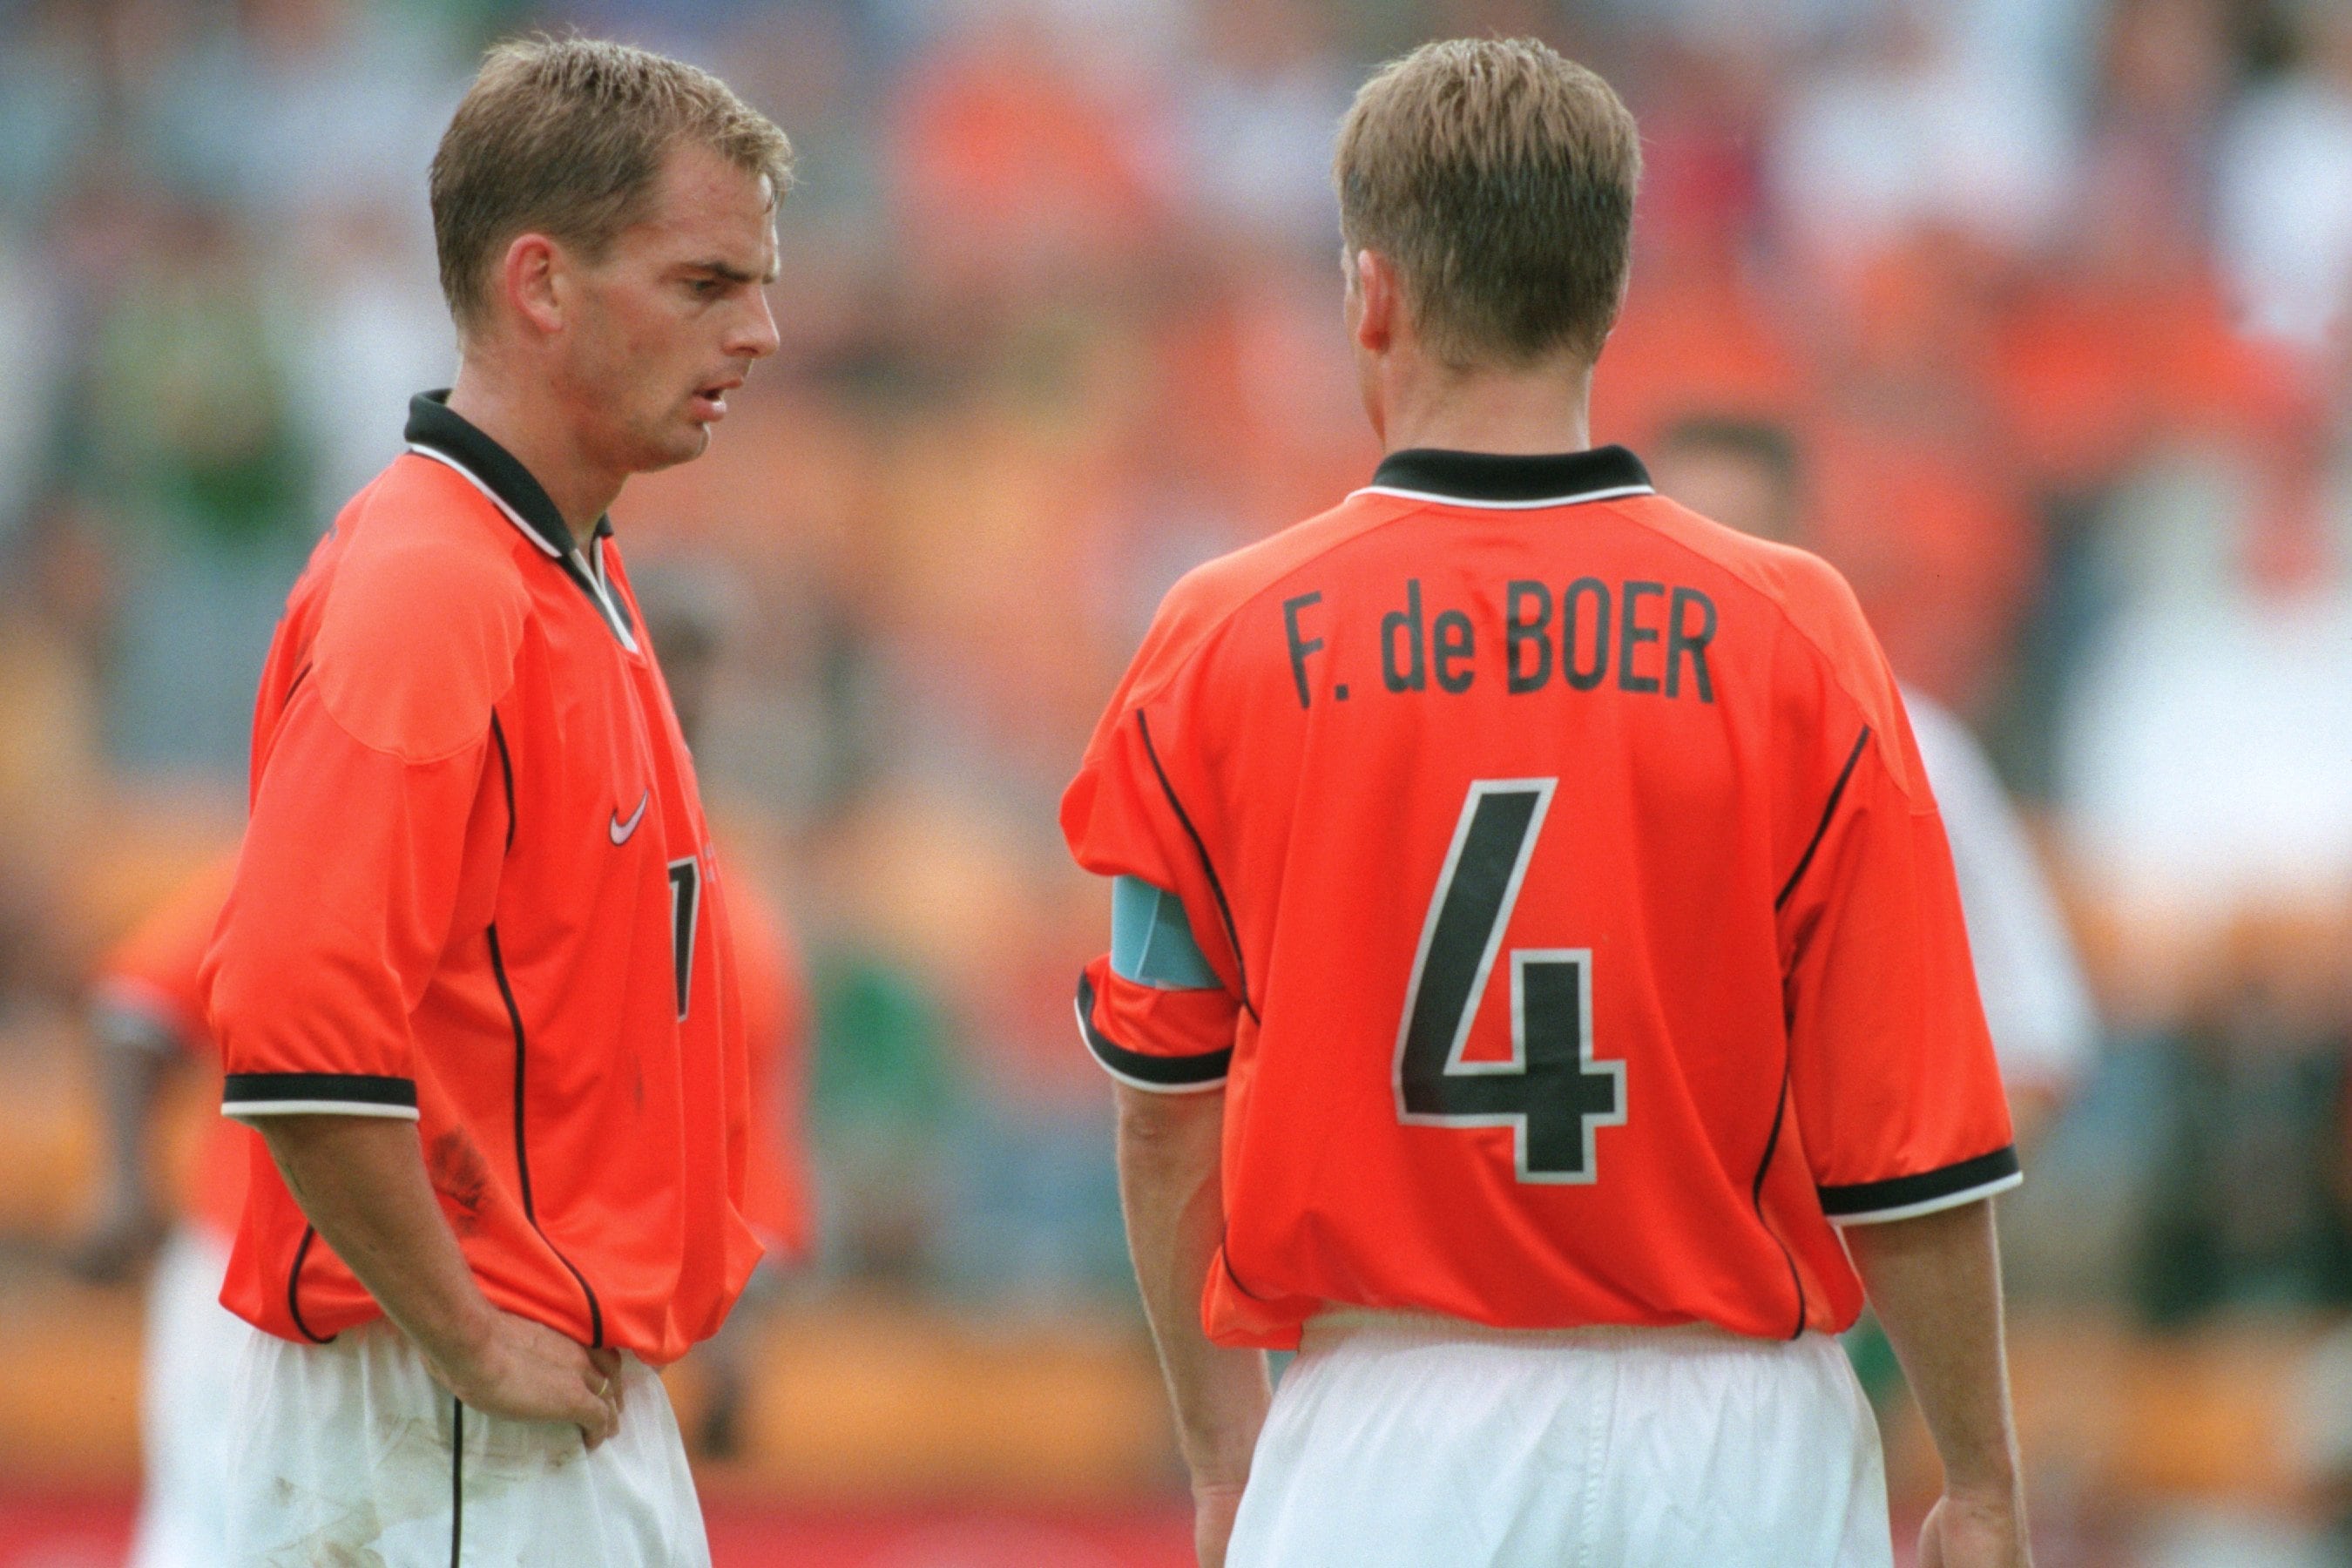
1641, 636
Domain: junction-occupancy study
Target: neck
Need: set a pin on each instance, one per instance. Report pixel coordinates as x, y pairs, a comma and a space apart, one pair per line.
1522, 412
527, 423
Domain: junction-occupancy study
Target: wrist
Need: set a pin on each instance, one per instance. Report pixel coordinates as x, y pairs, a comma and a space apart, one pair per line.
1992, 1484
1219, 1466
462, 1341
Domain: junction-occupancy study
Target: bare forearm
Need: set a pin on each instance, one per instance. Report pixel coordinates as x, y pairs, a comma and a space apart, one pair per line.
1936, 1283
135, 1055
1170, 1188
361, 1181
133, 1060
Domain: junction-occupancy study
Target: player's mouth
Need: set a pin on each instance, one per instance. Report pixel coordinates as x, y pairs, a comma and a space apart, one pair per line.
708, 402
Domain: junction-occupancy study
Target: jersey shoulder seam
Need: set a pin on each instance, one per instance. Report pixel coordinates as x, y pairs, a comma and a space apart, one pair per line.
1781, 611
499, 555
1208, 632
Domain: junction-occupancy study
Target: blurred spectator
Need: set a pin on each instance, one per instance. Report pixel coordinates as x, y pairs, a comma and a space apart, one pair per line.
1909, 128
2284, 217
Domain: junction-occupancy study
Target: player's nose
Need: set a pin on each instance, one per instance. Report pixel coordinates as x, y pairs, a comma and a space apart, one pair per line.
755, 335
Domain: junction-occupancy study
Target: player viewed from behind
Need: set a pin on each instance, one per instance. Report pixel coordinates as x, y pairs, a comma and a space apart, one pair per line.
473, 982
1533, 939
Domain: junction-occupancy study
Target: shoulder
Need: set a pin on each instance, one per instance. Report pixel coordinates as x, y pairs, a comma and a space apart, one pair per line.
420, 624
1808, 596
1207, 599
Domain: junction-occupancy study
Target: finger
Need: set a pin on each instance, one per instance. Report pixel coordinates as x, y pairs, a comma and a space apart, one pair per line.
612, 1414
604, 1376
598, 1420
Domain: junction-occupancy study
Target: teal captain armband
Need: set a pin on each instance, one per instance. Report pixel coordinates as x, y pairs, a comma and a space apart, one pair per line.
1152, 941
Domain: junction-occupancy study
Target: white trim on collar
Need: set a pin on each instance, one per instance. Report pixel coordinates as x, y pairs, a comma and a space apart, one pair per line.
497, 500
1618, 493
594, 578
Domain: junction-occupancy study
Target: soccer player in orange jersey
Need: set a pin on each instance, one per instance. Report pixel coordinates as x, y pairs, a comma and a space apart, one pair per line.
473, 982
1536, 988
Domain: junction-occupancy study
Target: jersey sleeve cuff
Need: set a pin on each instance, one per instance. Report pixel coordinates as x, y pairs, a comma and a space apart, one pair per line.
1907, 1197
1139, 1070
245, 1095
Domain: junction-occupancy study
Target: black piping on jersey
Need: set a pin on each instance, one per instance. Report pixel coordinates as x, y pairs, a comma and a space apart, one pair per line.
522, 1147
1224, 909
506, 769
1864, 1198
1159, 1072
1511, 480
294, 1287
1837, 793
295, 685
1755, 1197
438, 432
456, 1479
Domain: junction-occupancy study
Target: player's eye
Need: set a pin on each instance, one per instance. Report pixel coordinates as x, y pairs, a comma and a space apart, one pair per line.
703, 287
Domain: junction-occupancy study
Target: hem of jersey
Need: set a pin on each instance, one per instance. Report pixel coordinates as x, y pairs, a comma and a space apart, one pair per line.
1157, 1074
1925, 1192
246, 1109
1932, 1206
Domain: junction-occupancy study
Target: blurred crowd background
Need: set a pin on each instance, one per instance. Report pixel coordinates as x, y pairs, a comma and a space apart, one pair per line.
2052, 299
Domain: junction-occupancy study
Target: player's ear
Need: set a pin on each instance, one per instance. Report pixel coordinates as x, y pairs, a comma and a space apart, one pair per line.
531, 277
1375, 301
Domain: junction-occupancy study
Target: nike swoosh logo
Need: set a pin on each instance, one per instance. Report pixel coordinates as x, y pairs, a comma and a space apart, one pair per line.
621, 830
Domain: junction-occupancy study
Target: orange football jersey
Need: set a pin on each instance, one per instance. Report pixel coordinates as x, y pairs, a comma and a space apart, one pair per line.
153, 972
1587, 935
477, 891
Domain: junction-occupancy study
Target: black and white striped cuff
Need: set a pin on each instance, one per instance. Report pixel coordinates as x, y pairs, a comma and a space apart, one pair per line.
1161, 1075
1906, 1197
250, 1094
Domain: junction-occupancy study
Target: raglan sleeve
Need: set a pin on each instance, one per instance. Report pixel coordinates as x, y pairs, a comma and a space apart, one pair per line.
1892, 1073
1157, 1010
366, 800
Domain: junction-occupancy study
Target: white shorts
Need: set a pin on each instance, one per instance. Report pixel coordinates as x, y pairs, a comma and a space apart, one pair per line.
1408, 1441
193, 1344
341, 1453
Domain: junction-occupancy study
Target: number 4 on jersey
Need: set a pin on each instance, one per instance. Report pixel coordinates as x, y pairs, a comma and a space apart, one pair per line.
1551, 1093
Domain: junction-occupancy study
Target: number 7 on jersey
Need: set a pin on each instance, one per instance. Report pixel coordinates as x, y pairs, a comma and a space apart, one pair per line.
1550, 1093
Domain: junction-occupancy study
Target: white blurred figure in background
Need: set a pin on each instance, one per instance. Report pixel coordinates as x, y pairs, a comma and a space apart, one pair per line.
2283, 197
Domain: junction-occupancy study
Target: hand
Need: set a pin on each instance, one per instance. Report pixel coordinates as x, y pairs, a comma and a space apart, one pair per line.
527, 1371
1965, 1532
1214, 1507
122, 1235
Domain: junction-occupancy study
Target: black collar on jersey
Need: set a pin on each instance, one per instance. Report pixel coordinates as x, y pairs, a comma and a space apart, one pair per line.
435, 429
1501, 478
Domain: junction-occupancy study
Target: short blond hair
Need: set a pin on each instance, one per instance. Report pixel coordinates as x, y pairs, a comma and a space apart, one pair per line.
1498, 178
566, 137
